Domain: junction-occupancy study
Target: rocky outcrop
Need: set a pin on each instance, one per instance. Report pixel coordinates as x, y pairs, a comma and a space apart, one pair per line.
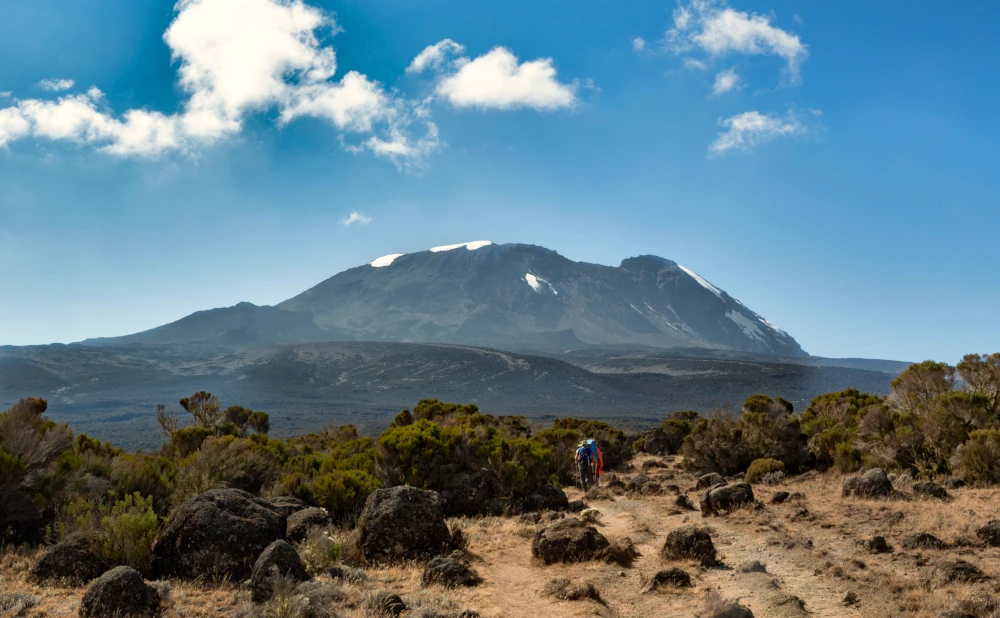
217, 534
120, 592
401, 523
722, 499
300, 522
872, 484
689, 543
568, 540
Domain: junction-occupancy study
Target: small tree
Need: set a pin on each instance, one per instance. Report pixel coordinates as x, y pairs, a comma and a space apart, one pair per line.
260, 422
204, 407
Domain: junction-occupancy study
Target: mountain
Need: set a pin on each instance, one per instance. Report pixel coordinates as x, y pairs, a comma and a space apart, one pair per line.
510, 296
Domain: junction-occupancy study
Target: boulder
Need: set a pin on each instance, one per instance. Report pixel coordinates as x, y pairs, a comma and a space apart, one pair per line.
401, 523
470, 493
684, 502
877, 545
300, 522
722, 499
960, 571
642, 485
953, 482
286, 505
566, 590
990, 533
120, 592
670, 578
217, 534
922, 540
708, 480
872, 484
753, 566
689, 543
780, 497
449, 571
385, 603
568, 540
731, 609
279, 558
70, 560
929, 489
546, 498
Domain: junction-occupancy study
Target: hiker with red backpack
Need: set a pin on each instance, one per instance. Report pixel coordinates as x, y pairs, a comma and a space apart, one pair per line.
590, 463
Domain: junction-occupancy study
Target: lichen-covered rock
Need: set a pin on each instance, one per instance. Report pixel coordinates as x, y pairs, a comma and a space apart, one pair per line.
722, 499
689, 543
450, 571
990, 533
922, 540
546, 498
877, 545
568, 540
278, 559
872, 484
780, 497
70, 560
217, 534
401, 523
120, 592
385, 603
960, 571
670, 578
708, 480
286, 505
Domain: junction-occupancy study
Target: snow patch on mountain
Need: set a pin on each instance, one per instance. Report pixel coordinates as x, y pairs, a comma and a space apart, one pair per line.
536, 283
385, 260
471, 246
748, 326
705, 284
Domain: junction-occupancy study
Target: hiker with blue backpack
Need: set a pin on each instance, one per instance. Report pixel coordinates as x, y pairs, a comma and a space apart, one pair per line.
590, 463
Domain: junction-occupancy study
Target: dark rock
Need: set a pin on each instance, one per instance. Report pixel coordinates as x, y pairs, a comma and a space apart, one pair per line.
850, 599
401, 523
614, 483
470, 494
71, 560
546, 498
621, 552
960, 571
674, 578
753, 566
568, 540
449, 571
929, 489
922, 540
120, 592
689, 543
286, 505
684, 502
877, 545
217, 534
779, 497
872, 484
732, 609
576, 506
953, 482
642, 485
385, 603
300, 522
990, 533
279, 558
722, 499
708, 480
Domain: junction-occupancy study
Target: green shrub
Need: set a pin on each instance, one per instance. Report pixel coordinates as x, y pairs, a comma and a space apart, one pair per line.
978, 460
319, 551
226, 461
759, 468
122, 533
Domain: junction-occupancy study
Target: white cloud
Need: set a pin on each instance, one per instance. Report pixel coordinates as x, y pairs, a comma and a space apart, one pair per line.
638, 44
725, 81
55, 85
356, 217
496, 80
717, 30
434, 56
236, 57
747, 130
694, 64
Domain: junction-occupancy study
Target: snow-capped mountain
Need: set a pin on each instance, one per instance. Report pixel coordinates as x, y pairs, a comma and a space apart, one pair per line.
505, 296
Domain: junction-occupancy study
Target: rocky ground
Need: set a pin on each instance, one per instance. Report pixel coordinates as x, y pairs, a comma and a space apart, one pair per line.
810, 555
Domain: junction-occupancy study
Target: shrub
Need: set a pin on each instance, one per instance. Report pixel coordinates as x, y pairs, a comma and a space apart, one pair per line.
122, 533
978, 460
760, 468
227, 461
319, 551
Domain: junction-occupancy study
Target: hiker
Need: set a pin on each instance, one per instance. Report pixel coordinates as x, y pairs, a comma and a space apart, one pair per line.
598, 459
585, 464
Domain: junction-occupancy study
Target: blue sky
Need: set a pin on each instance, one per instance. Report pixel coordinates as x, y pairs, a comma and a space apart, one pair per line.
832, 165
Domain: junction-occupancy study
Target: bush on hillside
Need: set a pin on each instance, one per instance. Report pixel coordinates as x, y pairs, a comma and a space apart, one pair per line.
121, 533
760, 468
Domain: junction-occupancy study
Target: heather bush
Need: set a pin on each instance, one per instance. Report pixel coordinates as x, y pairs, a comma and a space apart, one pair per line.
760, 468
122, 532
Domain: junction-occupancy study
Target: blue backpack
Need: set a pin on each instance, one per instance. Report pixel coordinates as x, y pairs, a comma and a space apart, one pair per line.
584, 454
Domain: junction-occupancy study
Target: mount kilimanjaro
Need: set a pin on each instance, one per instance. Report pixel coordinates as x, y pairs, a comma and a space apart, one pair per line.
510, 296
